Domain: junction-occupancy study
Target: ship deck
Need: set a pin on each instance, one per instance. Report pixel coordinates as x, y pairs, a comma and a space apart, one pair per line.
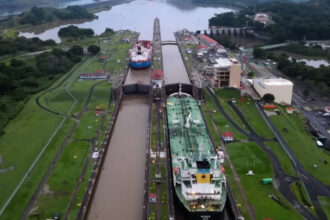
194, 141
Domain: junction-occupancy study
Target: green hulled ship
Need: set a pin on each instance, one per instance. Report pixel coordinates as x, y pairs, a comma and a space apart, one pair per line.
198, 177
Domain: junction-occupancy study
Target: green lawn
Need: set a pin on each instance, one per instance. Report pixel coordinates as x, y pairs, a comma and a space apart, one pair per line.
254, 118
219, 119
283, 157
325, 203
302, 196
225, 95
26, 134
249, 156
303, 144
62, 181
100, 96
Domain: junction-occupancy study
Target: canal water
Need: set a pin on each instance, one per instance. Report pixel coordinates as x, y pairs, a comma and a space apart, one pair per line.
138, 77
138, 16
120, 188
174, 69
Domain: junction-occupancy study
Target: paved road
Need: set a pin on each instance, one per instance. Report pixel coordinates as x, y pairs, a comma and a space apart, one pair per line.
282, 180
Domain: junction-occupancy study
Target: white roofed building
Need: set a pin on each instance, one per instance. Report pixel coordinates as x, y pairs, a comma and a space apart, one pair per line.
279, 87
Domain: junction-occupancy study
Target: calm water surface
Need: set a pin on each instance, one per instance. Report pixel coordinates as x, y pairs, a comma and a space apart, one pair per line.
120, 188
139, 15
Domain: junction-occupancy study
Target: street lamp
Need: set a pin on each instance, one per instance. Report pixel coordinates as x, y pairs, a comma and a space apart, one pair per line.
226, 126
90, 136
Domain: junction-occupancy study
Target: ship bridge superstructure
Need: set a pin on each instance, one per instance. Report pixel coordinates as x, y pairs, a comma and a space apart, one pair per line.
197, 169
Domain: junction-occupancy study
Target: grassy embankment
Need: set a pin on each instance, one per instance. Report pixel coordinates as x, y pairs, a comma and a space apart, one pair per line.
247, 107
27, 127
302, 143
249, 156
325, 203
253, 117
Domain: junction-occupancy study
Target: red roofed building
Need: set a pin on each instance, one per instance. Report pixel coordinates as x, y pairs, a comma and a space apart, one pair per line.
207, 40
227, 136
157, 74
327, 109
289, 110
202, 48
152, 197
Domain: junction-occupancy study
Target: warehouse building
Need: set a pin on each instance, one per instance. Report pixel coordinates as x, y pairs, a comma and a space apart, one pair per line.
279, 87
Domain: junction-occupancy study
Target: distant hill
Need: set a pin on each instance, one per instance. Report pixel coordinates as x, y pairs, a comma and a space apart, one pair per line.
241, 2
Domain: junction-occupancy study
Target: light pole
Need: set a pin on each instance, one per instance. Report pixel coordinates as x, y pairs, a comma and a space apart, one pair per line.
90, 137
226, 126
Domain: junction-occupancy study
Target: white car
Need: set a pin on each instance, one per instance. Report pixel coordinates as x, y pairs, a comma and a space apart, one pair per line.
327, 114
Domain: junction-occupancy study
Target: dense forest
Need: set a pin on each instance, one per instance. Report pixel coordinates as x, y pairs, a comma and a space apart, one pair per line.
291, 21
38, 15
22, 44
75, 32
20, 78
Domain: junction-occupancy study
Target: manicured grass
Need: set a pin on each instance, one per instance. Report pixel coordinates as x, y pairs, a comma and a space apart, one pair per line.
27, 134
62, 181
325, 203
225, 95
23, 139
17, 205
303, 144
236, 192
249, 156
219, 119
247, 107
302, 196
101, 96
283, 157
81, 192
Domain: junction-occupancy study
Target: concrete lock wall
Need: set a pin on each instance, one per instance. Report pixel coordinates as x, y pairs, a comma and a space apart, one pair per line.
136, 88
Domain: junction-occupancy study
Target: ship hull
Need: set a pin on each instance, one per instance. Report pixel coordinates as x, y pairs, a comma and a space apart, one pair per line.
198, 215
140, 65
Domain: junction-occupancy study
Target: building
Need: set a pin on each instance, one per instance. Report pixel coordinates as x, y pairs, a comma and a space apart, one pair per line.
224, 72
96, 75
211, 43
227, 136
279, 87
202, 48
289, 110
207, 40
262, 18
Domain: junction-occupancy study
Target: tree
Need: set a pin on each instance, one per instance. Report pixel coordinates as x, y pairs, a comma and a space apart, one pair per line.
268, 98
306, 92
76, 50
108, 31
259, 53
15, 63
93, 49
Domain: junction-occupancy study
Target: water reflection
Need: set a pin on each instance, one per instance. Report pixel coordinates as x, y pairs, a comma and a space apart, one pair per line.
139, 15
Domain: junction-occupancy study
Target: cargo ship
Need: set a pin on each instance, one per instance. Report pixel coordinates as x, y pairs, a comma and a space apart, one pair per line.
198, 175
140, 55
